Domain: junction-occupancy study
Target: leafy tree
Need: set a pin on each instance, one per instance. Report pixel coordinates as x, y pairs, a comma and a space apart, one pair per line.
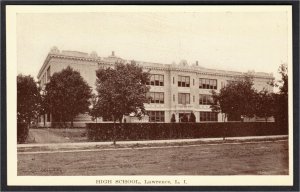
236, 99
192, 118
283, 71
67, 95
281, 99
93, 112
173, 119
121, 91
265, 104
28, 99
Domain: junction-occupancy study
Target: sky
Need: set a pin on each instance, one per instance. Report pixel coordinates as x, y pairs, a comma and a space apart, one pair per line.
228, 40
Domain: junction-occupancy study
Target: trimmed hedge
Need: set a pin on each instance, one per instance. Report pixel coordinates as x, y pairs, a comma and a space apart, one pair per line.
153, 131
22, 132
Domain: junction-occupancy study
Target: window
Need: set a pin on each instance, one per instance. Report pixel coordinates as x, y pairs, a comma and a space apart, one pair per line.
183, 98
184, 115
193, 98
205, 99
193, 81
173, 80
155, 97
207, 83
232, 81
208, 116
152, 80
174, 98
183, 81
156, 80
156, 116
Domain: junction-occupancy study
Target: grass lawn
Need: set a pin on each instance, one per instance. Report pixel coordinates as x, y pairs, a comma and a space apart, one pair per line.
56, 135
74, 134
258, 158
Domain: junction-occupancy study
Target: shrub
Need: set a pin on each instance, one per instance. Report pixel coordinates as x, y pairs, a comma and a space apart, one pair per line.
192, 118
173, 119
22, 132
153, 131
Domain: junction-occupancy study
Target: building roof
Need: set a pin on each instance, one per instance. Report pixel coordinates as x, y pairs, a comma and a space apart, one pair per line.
182, 66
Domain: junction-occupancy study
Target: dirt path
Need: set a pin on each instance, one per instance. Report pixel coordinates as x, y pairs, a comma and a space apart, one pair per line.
45, 136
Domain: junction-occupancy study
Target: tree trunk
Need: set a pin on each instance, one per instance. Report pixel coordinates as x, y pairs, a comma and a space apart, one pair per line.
72, 122
44, 120
114, 131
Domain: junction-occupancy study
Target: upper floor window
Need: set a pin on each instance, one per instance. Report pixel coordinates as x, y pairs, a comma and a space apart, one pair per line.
155, 97
205, 99
231, 81
183, 81
207, 83
183, 98
156, 80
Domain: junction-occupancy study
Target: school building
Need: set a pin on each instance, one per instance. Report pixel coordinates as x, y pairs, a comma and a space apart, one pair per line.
175, 88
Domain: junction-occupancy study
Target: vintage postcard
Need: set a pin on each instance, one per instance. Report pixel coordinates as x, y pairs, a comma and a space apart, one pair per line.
149, 95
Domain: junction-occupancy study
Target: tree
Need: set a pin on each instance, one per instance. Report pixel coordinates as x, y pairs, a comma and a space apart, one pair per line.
121, 91
281, 99
28, 99
173, 119
67, 95
264, 104
236, 99
192, 118
93, 112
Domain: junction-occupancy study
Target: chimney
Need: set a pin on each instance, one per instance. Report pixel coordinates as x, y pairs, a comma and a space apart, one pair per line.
113, 53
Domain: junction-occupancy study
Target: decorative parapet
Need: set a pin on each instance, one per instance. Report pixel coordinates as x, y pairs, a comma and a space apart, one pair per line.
183, 67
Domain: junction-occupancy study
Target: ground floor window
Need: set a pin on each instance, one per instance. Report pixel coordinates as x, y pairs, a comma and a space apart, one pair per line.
208, 116
184, 117
156, 116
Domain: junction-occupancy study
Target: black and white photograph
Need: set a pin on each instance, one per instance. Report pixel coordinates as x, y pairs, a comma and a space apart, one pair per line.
149, 95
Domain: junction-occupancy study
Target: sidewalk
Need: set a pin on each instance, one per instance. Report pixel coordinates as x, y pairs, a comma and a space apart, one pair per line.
120, 144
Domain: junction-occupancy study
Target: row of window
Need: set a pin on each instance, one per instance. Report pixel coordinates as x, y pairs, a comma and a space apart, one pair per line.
205, 99
156, 80
156, 116
208, 116
155, 97
183, 81
207, 83
159, 116
183, 98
